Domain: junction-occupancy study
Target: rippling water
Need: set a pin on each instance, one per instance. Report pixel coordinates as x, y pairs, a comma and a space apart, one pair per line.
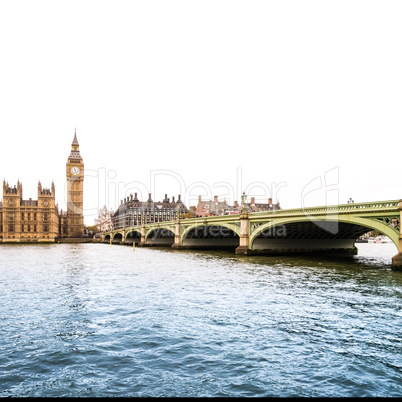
93, 320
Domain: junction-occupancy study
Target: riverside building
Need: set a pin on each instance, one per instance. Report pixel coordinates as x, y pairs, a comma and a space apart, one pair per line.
133, 212
215, 207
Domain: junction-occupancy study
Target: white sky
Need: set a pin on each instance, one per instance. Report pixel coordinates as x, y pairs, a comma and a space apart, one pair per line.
302, 96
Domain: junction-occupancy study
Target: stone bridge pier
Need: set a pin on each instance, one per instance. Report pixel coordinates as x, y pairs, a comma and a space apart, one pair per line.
123, 237
397, 259
244, 235
142, 242
177, 236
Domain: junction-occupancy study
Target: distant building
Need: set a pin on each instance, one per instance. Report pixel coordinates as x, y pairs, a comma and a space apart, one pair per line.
252, 206
133, 212
215, 207
211, 208
104, 220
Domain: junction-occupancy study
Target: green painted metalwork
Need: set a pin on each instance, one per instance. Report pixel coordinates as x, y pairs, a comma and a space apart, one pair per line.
367, 214
379, 216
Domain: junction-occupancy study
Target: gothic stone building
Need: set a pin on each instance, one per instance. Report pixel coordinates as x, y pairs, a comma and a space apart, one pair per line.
39, 220
104, 220
28, 220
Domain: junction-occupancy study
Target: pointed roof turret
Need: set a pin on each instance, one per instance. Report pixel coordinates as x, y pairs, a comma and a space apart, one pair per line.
75, 148
75, 141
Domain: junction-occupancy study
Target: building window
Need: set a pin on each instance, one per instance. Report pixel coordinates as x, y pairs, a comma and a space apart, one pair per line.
22, 216
45, 228
29, 216
29, 228
34, 228
45, 216
11, 228
35, 217
22, 228
11, 216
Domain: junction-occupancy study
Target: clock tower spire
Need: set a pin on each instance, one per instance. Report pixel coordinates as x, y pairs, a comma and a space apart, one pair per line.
75, 191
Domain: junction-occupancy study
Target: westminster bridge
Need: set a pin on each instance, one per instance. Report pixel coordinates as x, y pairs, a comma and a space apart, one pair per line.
329, 229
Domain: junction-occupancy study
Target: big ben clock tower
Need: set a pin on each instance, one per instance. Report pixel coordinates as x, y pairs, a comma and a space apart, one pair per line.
75, 191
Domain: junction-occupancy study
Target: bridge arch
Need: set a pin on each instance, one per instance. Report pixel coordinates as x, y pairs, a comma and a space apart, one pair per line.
210, 234
133, 235
350, 226
106, 238
159, 236
230, 226
117, 237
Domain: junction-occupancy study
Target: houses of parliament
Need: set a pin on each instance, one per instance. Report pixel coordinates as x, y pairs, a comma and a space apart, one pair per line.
40, 220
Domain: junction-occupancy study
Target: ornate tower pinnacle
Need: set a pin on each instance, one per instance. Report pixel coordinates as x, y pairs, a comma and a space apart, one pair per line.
75, 147
75, 141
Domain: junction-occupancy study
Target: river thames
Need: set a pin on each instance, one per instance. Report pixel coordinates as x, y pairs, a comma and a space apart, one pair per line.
90, 320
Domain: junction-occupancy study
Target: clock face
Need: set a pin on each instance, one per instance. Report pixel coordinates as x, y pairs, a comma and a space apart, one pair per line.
75, 170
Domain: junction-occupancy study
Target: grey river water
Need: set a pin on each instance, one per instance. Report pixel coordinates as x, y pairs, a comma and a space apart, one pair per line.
90, 320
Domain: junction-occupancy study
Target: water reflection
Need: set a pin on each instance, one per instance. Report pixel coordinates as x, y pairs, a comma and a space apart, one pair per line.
94, 320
